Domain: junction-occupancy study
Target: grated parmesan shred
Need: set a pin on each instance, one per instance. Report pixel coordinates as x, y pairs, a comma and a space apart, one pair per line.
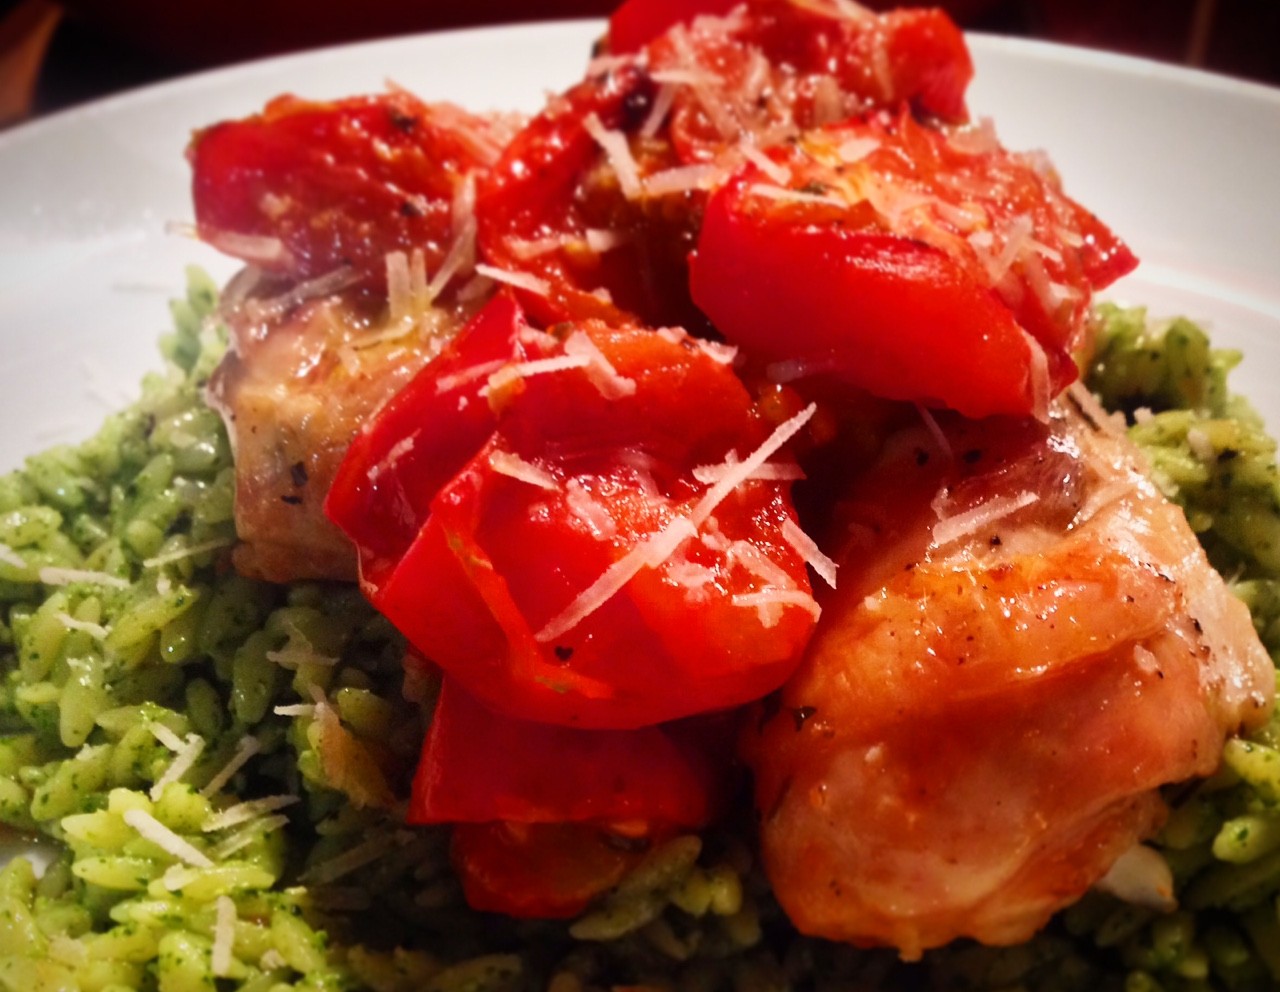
653, 550
166, 737
648, 552
600, 371
151, 829
520, 280
52, 576
510, 373
808, 549
769, 472
246, 835
352, 860
662, 105
935, 431
776, 171
233, 816
777, 597
11, 557
717, 493
684, 179
224, 936
618, 151
181, 554
514, 467
311, 289
973, 520
245, 749
94, 630
187, 756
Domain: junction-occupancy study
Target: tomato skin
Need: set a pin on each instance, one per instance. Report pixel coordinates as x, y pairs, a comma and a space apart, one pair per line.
340, 183
479, 766
477, 566
908, 263
635, 23
544, 871
870, 306
499, 559
425, 434
554, 184
548, 818
543, 187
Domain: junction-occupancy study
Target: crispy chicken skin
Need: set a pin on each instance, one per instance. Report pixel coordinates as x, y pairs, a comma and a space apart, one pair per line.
1026, 643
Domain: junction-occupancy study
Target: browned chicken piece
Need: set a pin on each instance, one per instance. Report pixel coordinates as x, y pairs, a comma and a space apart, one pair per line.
293, 390
1026, 643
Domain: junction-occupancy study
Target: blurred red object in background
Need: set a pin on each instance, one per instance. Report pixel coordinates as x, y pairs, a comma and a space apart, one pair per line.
107, 45
200, 33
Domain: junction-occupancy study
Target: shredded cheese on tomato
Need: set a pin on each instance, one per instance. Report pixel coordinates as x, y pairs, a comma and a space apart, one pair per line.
710, 474
777, 597
618, 151
721, 490
602, 374
648, 552
807, 548
684, 179
514, 467
511, 373
520, 280
776, 171
653, 550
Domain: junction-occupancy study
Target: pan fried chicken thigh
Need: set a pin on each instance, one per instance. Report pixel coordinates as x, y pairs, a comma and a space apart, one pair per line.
1026, 643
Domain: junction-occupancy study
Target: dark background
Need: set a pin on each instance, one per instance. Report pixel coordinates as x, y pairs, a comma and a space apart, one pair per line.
62, 52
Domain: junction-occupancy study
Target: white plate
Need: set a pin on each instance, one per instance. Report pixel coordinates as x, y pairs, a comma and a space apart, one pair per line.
1181, 163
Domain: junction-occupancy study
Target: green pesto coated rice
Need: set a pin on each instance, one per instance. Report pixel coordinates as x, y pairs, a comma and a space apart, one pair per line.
215, 770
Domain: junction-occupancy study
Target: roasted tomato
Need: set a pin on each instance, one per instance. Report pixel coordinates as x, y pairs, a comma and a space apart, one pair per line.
596, 204
916, 263
479, 766
615, 554
778, 65
553, 209
547, 818
304, 189
542, 871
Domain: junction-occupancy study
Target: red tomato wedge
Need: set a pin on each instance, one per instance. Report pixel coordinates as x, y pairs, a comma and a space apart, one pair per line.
548, 818
776, 66
915, 263
479, 766
304, 189
576, 569
541, 871
548, 209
